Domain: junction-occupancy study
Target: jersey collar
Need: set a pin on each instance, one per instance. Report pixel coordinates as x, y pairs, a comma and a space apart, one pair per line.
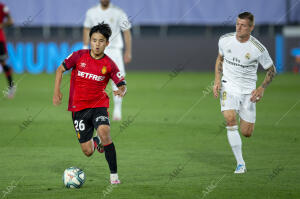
104, 55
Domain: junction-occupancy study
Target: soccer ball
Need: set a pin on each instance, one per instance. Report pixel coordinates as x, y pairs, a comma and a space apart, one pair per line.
73, 177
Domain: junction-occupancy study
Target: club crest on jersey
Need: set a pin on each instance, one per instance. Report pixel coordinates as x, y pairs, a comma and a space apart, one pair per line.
229, 50
104, 70
82, 65
247, 56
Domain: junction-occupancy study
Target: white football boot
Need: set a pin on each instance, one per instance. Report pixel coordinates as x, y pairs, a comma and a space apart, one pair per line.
241, 168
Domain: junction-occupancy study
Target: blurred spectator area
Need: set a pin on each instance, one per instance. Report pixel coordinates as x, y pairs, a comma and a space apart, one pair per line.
75, 33
162, 29
51, 18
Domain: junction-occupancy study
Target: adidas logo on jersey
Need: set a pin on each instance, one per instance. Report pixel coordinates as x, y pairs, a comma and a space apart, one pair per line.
90, 76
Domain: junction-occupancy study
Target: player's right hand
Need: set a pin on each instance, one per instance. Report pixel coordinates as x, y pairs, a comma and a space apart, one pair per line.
121, 91
216, 88
57, 97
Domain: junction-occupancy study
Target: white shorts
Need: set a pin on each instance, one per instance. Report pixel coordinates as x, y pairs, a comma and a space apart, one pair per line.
240, 103
116, 55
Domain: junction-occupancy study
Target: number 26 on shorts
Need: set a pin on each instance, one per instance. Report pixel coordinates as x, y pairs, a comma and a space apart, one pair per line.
79, 126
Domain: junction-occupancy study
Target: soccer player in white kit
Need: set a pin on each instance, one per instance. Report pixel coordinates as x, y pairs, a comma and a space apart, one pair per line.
235, 80
118, 21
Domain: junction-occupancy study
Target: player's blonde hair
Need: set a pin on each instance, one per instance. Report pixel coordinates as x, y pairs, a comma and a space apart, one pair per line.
249, 16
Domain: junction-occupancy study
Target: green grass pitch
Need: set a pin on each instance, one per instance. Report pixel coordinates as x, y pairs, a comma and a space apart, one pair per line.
171, 144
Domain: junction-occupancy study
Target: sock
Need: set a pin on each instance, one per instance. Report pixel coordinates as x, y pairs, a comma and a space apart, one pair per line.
235, 143
117, 106
8, 75
111, 157
114, 176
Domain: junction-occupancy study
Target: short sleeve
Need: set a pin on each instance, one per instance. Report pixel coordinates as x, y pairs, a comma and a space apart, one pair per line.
88, 21
124, 22
265, 60
71, 60
220, 48
116, 75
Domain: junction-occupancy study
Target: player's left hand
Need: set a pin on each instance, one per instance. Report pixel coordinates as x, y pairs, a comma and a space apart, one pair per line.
257, 94
127, 57
121, 91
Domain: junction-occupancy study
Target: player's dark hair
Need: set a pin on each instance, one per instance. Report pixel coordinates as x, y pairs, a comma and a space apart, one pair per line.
247, 15
102, 28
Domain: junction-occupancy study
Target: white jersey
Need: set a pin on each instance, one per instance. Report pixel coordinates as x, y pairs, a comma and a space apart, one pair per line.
114, 16
241, 62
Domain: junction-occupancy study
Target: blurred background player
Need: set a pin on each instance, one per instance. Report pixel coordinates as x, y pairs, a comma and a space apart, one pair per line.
239, 55
5, 20
118, 21
88, 100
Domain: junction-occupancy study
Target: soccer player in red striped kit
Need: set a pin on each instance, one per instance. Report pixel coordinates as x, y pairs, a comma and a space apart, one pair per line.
88, 101
5, 20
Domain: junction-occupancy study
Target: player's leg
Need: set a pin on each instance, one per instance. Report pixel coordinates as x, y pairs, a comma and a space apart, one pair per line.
229, 105
102, 124
110, 152
87, 148
116, 56
233, 135
247, 116
8, 73
7, 70
84, 128
246, 128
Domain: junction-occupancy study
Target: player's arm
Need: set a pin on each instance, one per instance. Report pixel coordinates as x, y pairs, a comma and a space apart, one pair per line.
86, 37
218, 75
118, 78
128, 45
271, 72
57, 96
258, 93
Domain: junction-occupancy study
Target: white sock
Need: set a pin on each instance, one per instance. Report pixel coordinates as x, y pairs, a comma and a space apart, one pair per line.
235, 143
114, 176
117, 106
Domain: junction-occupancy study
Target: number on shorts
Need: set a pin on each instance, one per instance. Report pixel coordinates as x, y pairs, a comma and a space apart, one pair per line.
224, 98
79, 126
224, 95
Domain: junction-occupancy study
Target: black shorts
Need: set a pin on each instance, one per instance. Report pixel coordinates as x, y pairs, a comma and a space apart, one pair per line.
3, 51
86, 120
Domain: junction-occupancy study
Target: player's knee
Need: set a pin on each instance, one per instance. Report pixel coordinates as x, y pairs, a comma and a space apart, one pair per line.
231, 121
247, 132
88, 152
